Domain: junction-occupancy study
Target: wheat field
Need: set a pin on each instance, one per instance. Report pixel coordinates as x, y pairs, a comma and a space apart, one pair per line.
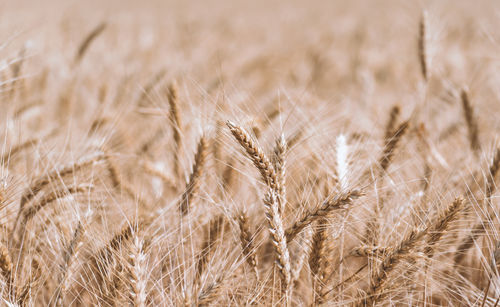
236, 153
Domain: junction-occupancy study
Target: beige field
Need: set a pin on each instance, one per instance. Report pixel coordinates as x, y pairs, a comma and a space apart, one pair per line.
235, 153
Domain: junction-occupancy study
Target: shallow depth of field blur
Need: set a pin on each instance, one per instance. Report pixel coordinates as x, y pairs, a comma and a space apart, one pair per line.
234, 153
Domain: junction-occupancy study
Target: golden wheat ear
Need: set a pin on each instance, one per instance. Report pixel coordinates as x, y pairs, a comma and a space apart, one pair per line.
6, 270
339, 202
422, 46
136, 272
176, 123
441, 225
256, 154
247, 242
70, 254
195, 177
319, 260
279, 164
279, 241
471, 121
480, 227
402, 251
208, 248
84, 46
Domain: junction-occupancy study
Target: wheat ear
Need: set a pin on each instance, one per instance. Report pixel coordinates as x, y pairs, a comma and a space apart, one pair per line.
211, 292
318, 260
195, 177
84, 46
55, 174
247, 243
69, 256
175, 120
341, 201
256, 154
391, 144
470, 119
441, 225
208, 248
136, 272
279, 164
388, 264
275, 222
157, 78
369, 251
480, 227
6, 267
422, 46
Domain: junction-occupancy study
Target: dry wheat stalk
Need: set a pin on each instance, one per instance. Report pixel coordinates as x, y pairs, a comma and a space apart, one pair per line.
195, 177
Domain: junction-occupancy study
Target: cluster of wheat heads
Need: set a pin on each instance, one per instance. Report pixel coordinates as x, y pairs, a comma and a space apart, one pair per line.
148, 190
